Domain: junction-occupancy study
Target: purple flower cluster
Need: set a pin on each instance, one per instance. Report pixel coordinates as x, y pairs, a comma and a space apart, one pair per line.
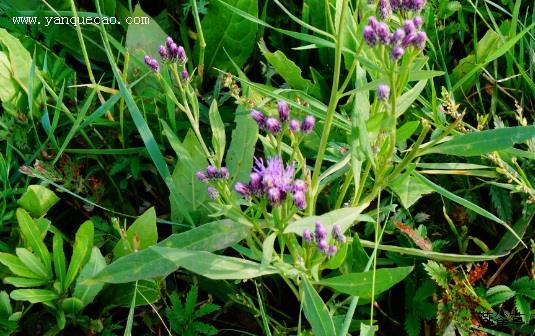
407, 5
170, 52
275, 181
212, 174
275, 125
319, 237
383, 92
410, 35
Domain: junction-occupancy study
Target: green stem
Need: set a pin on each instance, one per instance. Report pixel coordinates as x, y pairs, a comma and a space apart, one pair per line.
202, 42
333, 102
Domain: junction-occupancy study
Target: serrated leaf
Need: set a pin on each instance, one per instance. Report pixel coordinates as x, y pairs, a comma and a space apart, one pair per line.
290, 72
438, 273
189, 303
523, 307
227, 33
360, 284
499, 294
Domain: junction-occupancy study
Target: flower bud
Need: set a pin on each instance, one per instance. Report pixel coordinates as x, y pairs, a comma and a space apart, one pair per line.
274, 196
213, 193
307, 235
370, 36
397, 53
163, 53
173, 50
409, 27
420, 40
385, 10
255, 182
242, 189
321, 233
259, 117
308, 124
331, 251
338, 234
168, 42
323, 246
418, 21
273, 125
181, 55
372, 22
223, 173
201, 176
211, 172
294, 125
185, 75
408, 40
299, 185
383, 92
397, 37
417, 5
383, 32
300, 200
395, 4
284, 111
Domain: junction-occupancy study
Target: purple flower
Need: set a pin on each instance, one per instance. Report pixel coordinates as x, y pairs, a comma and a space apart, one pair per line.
408, 40
369, 35
284, 110
397, 37
259, 117
173, 50
275, 174
337, 234
163, 53
383, 91
274, 196
201, 176
242, 189
300, 200
152, 63
385, 10
420, 39
418, 21
273, 125
406, 4
184, 74
299, 185
321, 233
168, 42
395, 4
397, 53
213, 193
294, 125
307, 235
409, 27
181, 55
255, 182
211, 172
372, 22
417, 5
308, 124
383, 32
331, 251
323, 246
223, 173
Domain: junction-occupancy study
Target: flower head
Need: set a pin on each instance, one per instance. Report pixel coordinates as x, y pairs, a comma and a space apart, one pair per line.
338, 234
383, 33
323, 246
320, 232
273, 125
274, 196
284, 110
409, 27
397, 53
331, 251
152, 63
418, 21
372, 22
385, 10
201, 176
299, 185
300, 200
294, 125
397, 37
259, 117
213, 193
169, 41
211, 172
308, 124
383, 92
420, 40
370, 36
163, 53
223, 173
181, 55
242, 189
255, 183
307, 235
185, 75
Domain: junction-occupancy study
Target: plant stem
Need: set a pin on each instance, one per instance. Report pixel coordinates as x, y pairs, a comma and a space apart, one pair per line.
200, 36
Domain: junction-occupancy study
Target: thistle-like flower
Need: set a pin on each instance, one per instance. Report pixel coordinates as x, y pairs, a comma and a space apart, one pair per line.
397, 53
307, 236
273, 125
213, 193
294, 125
152, 63
242, 189
370, 36
338, 234
300, 200
308, 124
385, 10
383, 92
284, 110
259, 117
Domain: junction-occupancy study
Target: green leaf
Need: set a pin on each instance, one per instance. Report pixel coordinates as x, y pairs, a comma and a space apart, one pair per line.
499, 294
523, 307
189, 303
316, 312
228, 33
37, 200
268, 248
409, 189
140, 235
60, 263
72, 305
438, 273
241, 150
150, 264
218, 132
25, 282
290, 72
344, 217
32, 236
5, 305
148, 291
367, 330
337, 260
405, 101
83, 243
407, 130
86, 293
19, 59
16, 266
32, 262
33, 295
483, 142
360, 284
8, 85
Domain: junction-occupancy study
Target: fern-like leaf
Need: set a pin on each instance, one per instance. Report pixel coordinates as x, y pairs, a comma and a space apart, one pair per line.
522, 305
204, 328
175, 313
191, 300
412, 324
205, 310
438, 273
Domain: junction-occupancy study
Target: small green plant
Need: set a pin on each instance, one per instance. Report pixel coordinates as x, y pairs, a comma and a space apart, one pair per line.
184, 317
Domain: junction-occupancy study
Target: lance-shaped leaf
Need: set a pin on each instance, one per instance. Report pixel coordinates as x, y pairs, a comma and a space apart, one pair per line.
344, 217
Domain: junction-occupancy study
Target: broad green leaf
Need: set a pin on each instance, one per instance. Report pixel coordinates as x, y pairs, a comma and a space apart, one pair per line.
123, 295
337, 260
290, 72
218, 132
367, 330
407, 130
150, 264
227, 33
5, 305
33, 295
483, 142
268, 248
16, 266
32, 236
32, 262
409, 97
361, 284
140, 235
316, 312
83, 243
37, 200
8, 86
344, 217
239, 158
86, 293
72, 305
508, 241
19, 58
25, 282
499, 294
409, 189
60, 263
